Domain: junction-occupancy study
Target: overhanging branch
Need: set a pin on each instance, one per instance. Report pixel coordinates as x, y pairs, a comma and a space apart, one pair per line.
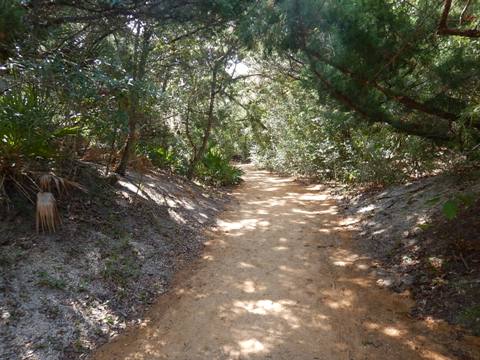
443, 28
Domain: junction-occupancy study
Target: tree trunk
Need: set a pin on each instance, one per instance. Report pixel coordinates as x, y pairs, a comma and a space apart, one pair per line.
443, 28
133, 115
129, 146
198, 154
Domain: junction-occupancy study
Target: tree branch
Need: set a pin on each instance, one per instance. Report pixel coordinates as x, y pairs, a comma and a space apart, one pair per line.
436, 134
443, 28
402, 99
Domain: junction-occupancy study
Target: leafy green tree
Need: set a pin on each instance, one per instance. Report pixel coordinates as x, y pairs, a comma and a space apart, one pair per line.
382, 61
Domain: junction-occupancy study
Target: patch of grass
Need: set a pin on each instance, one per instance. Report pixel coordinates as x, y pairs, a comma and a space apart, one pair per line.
78, 346
121, 265
115, 227
109, 320
40, 346
144, 297
55, 343
119, 268
470, 317
82, 285
424, 226
50, 310
10, 255
47, 280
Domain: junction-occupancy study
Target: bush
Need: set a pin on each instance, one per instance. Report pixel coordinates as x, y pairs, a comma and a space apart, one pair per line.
26, 128
161, 157
337, 148
216, 170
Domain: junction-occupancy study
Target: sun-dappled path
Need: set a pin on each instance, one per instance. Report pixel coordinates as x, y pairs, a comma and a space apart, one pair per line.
279, 280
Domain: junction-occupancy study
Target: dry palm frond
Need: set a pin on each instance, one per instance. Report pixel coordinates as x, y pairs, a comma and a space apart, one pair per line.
44, 182
95, 154
48, 182
3, 193
22, 189
141, 164
47, 215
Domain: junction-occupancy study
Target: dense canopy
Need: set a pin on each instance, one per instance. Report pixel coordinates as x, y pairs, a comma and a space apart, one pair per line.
351, 90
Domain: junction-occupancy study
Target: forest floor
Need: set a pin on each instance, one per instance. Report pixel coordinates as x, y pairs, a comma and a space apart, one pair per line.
63, 294
417, 249
281, 279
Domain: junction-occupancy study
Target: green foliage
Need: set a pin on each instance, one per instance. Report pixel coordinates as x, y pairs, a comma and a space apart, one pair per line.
9, 256
379, 61
119, 268
307, 140
11, 25
26, 126
162, 158
47, 280
451, 208
121, 264
471, 318
353, 91
216, 169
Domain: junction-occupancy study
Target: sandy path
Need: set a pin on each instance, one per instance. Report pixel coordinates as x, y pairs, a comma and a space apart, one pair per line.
279, 281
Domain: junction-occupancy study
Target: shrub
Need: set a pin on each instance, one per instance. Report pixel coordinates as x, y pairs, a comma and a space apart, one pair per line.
342, 150
161, 157
216, 170
26, 128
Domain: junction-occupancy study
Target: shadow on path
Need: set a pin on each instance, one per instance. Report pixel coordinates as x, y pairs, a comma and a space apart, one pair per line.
278, 281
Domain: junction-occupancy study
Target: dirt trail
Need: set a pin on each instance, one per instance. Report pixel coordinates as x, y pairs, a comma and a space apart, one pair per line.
279, 280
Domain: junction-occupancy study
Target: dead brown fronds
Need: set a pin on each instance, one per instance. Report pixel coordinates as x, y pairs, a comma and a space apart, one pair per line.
4, 199
98, 155
47, 216
141, 164
50, 182
22, 186
30, 184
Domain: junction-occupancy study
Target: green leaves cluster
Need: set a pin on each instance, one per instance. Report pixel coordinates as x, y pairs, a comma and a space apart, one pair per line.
216, 170
26, 126
452, 207
356, 91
